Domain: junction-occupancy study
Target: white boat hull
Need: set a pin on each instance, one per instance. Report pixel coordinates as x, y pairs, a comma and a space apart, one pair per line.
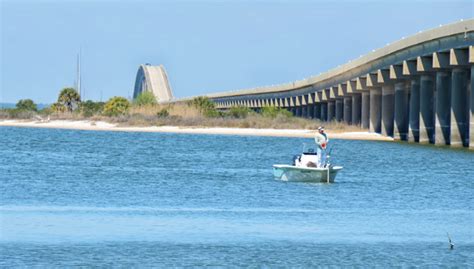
304, 174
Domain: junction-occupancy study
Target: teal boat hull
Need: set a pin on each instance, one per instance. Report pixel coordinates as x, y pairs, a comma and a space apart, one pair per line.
305, 174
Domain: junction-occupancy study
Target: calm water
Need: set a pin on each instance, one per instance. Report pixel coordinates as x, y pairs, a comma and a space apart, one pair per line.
80, 198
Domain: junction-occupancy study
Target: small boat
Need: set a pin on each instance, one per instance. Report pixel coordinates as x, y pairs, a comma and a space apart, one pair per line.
304, 169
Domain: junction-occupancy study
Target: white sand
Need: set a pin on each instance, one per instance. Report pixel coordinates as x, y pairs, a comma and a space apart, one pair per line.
105, 126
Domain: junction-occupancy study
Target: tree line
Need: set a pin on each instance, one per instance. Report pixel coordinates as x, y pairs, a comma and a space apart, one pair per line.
69, 102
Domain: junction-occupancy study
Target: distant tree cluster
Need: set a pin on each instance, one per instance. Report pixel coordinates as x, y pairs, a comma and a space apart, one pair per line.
24, 108
69, 101
26, 105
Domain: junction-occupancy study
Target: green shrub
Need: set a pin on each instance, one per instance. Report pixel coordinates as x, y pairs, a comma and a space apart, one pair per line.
145, 98
202, 103
205, 106
116, 106
26, 105
15, 113
273, 112
90, 108
239, 112
212, 113
163, 113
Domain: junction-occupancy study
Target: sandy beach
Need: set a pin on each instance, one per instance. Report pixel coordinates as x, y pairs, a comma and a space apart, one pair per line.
105, 126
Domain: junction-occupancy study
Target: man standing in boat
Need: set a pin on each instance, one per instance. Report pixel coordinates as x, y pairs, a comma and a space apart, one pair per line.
321, 140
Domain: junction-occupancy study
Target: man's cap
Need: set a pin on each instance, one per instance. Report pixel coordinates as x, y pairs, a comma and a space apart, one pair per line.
320, 128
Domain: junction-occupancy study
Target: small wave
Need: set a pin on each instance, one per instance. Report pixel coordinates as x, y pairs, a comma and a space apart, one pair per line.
151, 209
14, 208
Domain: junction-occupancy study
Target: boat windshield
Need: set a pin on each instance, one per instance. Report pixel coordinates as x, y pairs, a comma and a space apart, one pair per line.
308, 149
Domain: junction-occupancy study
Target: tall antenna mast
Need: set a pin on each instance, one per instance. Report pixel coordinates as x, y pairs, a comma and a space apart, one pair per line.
78, 80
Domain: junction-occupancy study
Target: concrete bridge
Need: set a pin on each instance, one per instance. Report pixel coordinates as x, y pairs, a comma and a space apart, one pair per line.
153, 79
418, 89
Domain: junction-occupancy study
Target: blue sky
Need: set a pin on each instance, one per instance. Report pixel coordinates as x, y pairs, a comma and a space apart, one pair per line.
205, 46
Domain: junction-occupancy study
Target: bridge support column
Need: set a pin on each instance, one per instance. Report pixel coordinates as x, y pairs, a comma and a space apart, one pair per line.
339, 109
388, 107
443, 108
414, 111
356, 108
471, 127
375, 110
310, 111
298, 111
304, 111
460, 107
317, 111
427, 112
365, 114
331, 110
401, 111
324, 112
347, 109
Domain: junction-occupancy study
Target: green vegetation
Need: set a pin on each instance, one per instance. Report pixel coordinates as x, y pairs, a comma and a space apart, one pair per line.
116, 106
24, 109
163, 113
239, 112
90, 108
26, 105
273, 112
205, 106
69, 98
145, 98
145, 111
58, 108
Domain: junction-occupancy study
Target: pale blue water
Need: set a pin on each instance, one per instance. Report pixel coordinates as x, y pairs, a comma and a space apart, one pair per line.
81, 198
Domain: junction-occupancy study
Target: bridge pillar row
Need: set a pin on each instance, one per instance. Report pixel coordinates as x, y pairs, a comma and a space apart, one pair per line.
356, 108
388, 107
427, 109
460, 107
365, 111
339, 109
324, 112
375, 110
347, 109
414, 111
401, 110
331, 110
443, 108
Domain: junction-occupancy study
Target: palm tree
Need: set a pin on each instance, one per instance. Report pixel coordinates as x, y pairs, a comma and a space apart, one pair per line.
69, 98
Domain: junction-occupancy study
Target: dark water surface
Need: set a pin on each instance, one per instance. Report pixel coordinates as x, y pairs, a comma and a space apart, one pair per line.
82, 198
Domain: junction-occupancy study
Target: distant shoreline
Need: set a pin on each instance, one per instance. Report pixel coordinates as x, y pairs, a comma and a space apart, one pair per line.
105, 126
